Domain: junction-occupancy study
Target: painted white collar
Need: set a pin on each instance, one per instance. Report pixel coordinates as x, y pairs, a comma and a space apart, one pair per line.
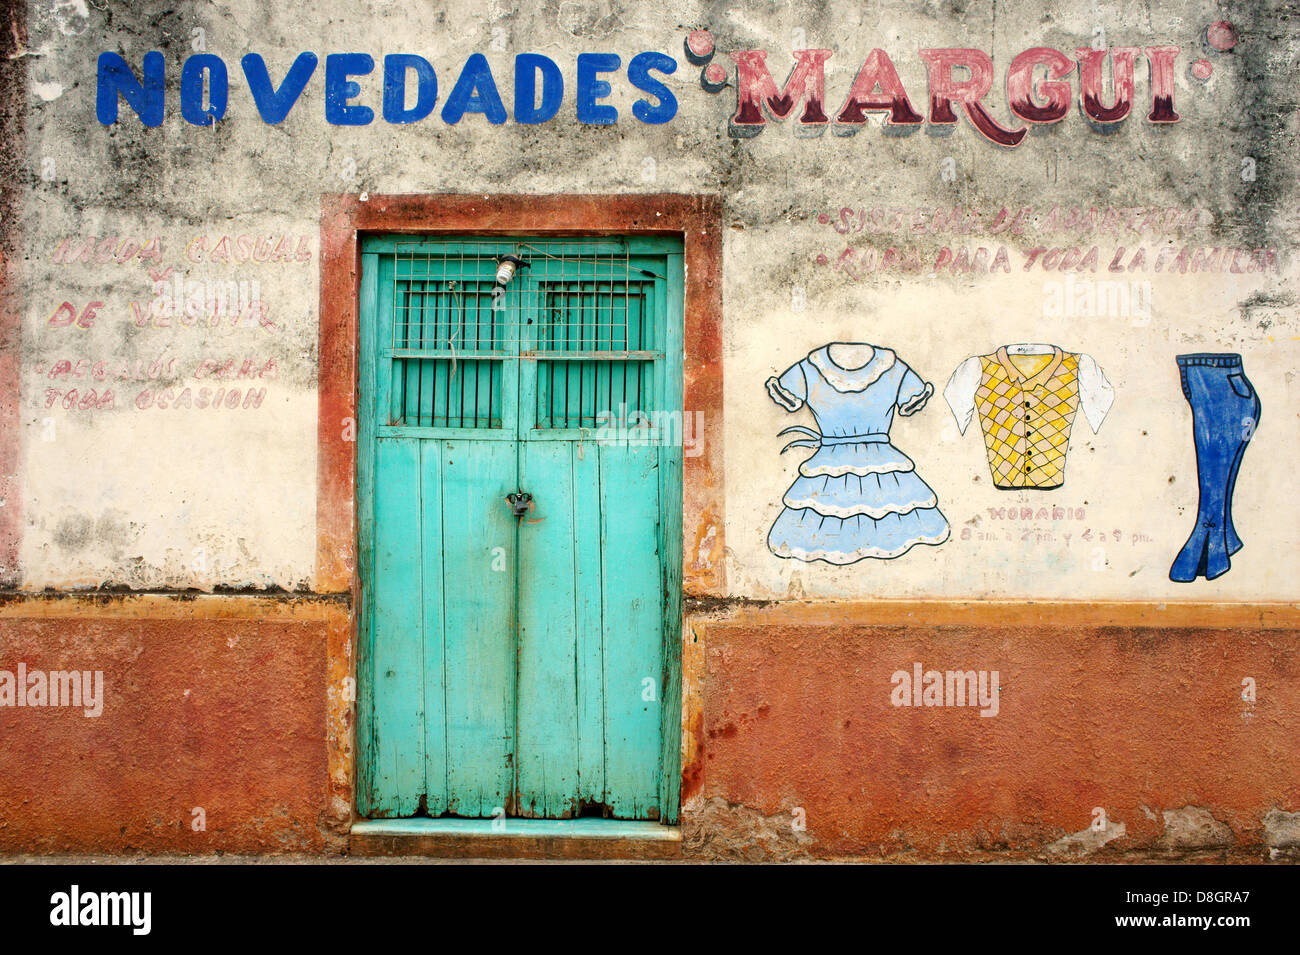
851, 379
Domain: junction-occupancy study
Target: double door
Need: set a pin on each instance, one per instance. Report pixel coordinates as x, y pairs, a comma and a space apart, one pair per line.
519, 480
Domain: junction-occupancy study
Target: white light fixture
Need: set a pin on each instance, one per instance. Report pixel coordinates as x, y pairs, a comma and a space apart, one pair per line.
506, 267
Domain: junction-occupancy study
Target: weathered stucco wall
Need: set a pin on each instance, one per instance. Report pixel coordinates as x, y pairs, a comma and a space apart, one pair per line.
194, 465
211, 729
164, 507
1112, 739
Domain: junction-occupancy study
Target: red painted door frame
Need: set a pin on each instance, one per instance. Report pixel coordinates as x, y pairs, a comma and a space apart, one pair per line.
697, 219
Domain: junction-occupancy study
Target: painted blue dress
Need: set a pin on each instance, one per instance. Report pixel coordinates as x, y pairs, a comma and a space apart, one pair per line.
857, 496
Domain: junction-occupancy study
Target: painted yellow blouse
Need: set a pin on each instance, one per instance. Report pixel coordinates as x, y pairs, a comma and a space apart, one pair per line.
1026, 397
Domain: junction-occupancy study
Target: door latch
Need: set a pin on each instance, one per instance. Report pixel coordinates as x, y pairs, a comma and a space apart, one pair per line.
519, 502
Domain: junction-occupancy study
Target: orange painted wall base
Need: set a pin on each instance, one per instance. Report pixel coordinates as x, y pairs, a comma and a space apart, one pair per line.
242, 707
214, 734
1107, 738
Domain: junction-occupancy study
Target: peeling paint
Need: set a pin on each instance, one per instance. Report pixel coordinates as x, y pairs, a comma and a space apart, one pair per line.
1194, 827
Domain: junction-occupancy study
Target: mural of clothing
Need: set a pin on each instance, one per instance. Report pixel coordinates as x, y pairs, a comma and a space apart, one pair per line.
857, 495
1225, 413
1027, 396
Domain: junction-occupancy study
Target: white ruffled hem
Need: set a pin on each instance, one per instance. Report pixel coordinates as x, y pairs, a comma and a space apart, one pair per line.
858, 457
859, 510
852, 557
827, 470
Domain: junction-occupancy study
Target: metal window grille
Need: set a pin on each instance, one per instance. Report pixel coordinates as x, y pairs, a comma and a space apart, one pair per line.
581, 308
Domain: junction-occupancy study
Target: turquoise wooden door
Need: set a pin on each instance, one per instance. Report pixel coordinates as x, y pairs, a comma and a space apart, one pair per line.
519, 489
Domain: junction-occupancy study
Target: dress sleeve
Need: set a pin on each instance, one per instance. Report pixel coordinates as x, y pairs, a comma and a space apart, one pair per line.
960, 391
1096, 394
913, 393
790, 390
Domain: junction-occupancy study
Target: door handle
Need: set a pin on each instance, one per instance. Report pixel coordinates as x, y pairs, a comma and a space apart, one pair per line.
520, 502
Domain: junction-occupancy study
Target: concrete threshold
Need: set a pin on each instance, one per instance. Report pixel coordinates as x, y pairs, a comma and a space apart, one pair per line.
516, 838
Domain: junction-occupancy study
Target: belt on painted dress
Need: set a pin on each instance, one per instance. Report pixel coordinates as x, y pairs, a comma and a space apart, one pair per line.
816, 439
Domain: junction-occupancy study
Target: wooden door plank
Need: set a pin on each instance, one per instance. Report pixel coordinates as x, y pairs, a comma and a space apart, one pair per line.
478, 546
588, 620
432, 574
668, 392
633, 640
547, 722
397, 660
366, 421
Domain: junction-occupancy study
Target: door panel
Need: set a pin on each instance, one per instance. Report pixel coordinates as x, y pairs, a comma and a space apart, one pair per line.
433, 601
591, 542
589, 620
478, 596
548, 636
397, 663
633, 638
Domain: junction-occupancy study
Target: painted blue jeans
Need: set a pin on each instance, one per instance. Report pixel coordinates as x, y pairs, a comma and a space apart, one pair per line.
1225, 413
